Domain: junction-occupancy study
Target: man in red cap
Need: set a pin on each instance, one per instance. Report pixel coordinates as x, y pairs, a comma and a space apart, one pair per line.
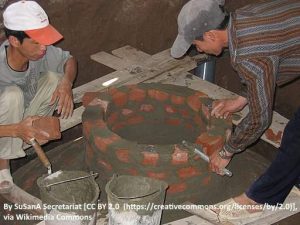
35, 78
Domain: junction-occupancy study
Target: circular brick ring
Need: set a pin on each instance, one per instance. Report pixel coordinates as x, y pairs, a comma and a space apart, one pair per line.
138, 130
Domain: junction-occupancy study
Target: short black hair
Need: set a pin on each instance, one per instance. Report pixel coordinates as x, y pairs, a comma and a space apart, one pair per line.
20, 35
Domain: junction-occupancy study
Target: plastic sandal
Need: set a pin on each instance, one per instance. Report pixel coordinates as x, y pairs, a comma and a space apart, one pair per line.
6, 181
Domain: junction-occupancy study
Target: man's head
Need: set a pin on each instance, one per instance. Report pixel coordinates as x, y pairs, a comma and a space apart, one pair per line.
196, 18
30, 18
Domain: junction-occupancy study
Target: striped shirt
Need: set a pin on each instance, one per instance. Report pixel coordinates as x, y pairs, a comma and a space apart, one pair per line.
264, 45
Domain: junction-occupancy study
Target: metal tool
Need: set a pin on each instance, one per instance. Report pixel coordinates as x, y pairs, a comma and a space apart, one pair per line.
69, 180
203, 156
41, 154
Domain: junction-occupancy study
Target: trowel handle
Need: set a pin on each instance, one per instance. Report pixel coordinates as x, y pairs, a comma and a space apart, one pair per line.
40, 152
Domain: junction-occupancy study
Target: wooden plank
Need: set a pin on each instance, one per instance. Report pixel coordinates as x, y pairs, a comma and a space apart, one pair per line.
131, 54
110, 60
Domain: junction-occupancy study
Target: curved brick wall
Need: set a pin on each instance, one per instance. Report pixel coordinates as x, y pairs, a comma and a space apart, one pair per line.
112, 116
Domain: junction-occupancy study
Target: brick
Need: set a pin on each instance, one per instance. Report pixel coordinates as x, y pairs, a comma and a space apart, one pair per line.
103, 143
123, 155
137, 95
146, 108
209, 143
135, 120
112, 118
132, 172
170, 109
184, 113
127, 112
120, 98
88, 97
158, 95
118, 126
177, 100
159, 176
200, 94
272, 136
107, 166
150, 158
177, 188
86, 127
173, 122
187, 172
194, 102
179, 156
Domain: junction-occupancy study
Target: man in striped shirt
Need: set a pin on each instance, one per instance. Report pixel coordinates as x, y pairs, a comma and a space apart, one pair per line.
264, 45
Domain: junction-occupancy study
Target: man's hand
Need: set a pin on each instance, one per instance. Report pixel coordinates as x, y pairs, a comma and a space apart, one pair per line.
222, 108
64, 95
217, 164
26, 131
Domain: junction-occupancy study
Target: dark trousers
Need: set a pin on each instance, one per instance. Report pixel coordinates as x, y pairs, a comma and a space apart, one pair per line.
284, 172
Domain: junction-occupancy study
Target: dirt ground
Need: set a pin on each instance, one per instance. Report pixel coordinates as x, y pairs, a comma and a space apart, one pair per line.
101, 25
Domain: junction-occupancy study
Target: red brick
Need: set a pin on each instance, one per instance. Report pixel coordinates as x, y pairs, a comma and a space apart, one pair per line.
113, 118
132, 172
177, 188
147, 108
188, 172
200, 94
137, 95
179, 156
209, 143
194, 102
184, 113
126, 112
170, 109
158, 95
112, 90
88, 97
159, 176
123, 155
86, 127
173, 122
135, 120
118, 126
105, 164
120, 98
103, 143
150, 158
272, 136
177, 100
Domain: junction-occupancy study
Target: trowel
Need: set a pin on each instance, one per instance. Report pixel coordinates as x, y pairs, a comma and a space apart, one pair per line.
45, 161
203, 156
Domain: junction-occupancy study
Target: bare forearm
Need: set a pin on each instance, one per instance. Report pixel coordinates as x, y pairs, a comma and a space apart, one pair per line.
70, 70
8, 130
